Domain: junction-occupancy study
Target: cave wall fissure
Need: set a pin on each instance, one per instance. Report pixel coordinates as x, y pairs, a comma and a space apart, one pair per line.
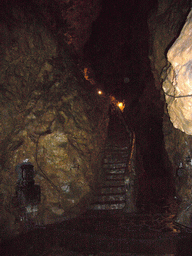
166, 29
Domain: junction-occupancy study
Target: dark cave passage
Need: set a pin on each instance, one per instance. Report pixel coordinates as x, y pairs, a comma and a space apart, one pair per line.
118, 49
79, 142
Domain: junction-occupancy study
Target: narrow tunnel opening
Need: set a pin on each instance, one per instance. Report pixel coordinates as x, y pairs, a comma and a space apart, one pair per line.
118, 51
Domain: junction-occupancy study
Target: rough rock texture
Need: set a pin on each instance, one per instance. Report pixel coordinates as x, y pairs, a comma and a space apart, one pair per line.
80, 16
177, 85
50, 115
178, 146
165, 26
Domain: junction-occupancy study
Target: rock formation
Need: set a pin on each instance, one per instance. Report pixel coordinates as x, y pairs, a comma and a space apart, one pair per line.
51, 115
177, 88
173, 69
177, 85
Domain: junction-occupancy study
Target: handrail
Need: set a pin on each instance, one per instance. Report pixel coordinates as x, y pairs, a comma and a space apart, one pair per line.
130, 201
132, 152
133, 139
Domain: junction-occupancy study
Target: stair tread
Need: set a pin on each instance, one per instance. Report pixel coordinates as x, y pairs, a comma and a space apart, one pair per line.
119, 163
114, 171
115, 163
123, 154
112, 156
110, 197
108, 206
115, 175
111, 194
113, 147
109, 151
115, 166
115, 180
114, 186
110, 202
113, 190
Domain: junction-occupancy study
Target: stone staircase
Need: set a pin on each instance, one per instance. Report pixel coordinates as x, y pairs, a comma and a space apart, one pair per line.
112, 193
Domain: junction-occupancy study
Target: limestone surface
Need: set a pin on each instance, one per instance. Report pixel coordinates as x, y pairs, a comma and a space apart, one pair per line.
165, 25
177, 85
51, 115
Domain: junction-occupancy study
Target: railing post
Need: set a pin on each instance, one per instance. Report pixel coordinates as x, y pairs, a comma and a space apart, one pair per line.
130, 173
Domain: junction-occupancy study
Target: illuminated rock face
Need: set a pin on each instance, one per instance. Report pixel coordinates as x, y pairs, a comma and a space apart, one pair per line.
178, 82
50, 115
165, 26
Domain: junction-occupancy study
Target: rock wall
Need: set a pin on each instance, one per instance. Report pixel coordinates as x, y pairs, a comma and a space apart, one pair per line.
177, 84
177, 89
165, 25
51, 115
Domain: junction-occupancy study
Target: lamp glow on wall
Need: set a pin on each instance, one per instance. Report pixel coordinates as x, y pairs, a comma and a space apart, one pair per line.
121, 105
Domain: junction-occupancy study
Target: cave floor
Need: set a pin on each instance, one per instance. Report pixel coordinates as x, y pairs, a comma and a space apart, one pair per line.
97, 232
107, 232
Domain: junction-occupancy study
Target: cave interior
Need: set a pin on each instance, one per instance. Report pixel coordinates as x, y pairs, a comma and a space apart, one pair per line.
116, 52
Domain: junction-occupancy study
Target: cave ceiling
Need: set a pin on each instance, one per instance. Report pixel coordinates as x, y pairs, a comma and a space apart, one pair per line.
118, 46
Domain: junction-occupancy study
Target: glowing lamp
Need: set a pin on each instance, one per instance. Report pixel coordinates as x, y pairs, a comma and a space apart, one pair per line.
121, 105
100, 92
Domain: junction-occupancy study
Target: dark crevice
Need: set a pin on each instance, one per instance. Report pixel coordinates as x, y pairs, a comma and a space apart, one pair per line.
118, 48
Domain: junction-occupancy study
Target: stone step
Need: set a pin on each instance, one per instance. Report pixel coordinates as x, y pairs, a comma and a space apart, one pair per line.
117, 202
115, 176
114, 166
115, 159
110, 198
107, 206
114, 183
110, 154
112, 148
111, 194
114, 153
112, 190
114, 171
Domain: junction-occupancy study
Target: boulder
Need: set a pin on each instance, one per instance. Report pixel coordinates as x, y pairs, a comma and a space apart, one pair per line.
177, 85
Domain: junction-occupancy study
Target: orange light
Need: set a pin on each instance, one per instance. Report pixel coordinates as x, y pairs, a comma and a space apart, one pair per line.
100, 92
121, 105
86, 74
